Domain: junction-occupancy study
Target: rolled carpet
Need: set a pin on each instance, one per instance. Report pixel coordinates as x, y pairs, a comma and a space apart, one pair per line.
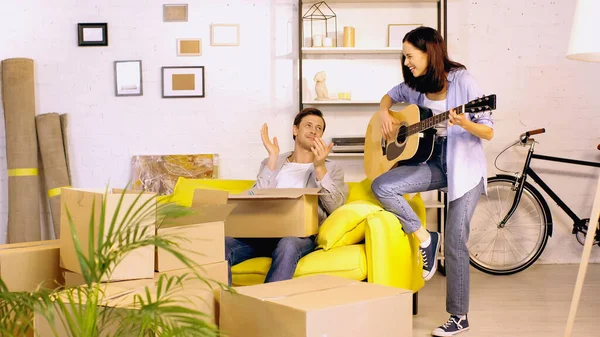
54, 163
65, 132
18, 99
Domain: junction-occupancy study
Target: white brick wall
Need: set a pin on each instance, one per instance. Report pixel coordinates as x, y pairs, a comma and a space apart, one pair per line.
517, 49
514, 48
245, 85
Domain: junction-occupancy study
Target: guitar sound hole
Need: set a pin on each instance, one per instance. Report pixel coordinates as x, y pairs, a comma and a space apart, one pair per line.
402, 134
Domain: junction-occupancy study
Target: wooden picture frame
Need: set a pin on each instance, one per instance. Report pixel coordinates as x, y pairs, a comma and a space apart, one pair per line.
92, 34
189, 47
175, 13
182, 81
397, 31
225, 34
128, 78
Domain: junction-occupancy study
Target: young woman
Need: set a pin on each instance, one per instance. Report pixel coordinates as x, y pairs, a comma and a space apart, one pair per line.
458, 162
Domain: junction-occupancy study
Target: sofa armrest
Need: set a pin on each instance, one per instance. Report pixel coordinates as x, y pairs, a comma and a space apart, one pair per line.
392, 256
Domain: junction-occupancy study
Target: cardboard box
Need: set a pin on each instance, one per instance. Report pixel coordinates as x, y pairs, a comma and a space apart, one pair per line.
75, 280
201, 236
138, 263
274, 212
198, 295
116, 296
317, 306
25, 266
194, 294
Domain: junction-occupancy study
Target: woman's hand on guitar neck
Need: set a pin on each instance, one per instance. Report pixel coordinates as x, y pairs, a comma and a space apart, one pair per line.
388, 123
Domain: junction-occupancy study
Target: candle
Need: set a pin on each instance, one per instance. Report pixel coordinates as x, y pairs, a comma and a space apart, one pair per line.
317, 41
349, 36
328, 42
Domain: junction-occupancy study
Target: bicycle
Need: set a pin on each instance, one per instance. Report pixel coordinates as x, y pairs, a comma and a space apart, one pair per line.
522, 221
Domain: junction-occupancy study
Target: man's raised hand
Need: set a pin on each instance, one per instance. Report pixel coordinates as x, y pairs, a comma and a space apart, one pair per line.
272, 147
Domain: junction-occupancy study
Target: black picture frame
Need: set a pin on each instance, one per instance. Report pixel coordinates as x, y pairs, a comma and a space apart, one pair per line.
95, 42
182, 70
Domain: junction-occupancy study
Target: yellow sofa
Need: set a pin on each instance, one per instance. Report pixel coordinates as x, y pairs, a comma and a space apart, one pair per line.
360, 240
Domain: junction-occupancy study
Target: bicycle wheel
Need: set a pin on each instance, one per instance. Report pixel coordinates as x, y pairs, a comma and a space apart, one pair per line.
516, 246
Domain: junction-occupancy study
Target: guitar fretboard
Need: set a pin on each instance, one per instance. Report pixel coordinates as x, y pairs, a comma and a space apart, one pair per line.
431, 121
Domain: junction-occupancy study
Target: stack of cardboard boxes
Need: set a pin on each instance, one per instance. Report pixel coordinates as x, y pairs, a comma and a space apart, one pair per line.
199, 235
317, 305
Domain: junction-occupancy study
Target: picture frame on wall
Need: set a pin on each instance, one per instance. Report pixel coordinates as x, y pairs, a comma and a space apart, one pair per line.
128, 78
225, 34
175, 13
92, 34
189, 47
182, 81
397, 31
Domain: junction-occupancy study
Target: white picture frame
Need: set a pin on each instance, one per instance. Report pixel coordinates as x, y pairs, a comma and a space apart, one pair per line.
225, 34
128, 78
397, 31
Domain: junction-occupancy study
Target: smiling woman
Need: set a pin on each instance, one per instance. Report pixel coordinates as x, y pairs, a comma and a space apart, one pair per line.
457, 163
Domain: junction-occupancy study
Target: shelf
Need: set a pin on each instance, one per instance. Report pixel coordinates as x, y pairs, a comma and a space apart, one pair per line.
370, 1
433, 204
340, 102
344, 154
350, 50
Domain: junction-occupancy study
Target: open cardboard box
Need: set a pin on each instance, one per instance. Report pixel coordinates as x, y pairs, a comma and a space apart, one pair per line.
316, 306
275, 213
200, 235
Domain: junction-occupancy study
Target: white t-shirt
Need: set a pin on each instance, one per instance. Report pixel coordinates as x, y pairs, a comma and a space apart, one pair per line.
294, 175
437, 107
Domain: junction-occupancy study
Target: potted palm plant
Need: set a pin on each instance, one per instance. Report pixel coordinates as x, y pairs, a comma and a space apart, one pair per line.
88, 310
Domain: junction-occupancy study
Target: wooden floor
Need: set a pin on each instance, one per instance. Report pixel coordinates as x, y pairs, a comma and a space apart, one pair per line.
532, 303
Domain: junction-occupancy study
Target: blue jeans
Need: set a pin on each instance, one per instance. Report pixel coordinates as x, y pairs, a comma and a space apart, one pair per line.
285, 253
389, 188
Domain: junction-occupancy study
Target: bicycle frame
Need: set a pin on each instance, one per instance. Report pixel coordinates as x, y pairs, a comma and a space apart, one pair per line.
528, 171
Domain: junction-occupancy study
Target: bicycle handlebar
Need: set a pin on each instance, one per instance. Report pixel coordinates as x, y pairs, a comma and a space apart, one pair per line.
527, 134
535, 132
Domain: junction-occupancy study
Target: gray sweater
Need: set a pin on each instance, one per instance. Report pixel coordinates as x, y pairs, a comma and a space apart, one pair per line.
332, 183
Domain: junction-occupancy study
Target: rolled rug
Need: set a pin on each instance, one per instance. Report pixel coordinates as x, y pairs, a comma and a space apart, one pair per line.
54, 163
65, 134
18, 99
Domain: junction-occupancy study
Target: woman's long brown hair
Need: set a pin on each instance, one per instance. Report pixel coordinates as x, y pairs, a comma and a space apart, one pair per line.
429, 41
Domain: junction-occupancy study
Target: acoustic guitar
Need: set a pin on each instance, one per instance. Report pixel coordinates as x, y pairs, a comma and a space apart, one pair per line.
413, 138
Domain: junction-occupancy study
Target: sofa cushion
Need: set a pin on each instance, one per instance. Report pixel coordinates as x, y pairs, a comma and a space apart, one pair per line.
346, 225
361, 191
393, 256
183, 193
348, 261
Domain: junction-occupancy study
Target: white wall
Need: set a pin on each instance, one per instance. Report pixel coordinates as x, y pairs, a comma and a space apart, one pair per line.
245, 85
514, 48
517, 49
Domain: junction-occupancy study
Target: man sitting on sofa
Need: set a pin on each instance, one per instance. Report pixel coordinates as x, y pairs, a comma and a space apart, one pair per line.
305, 167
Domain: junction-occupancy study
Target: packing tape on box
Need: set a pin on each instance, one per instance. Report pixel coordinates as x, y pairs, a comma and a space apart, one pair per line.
22, 172
56, 191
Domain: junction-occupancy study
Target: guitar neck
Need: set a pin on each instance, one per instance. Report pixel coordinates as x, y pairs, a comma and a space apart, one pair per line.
432, 121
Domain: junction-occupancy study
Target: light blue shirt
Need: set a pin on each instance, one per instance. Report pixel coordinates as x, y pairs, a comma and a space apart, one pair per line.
466, 160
